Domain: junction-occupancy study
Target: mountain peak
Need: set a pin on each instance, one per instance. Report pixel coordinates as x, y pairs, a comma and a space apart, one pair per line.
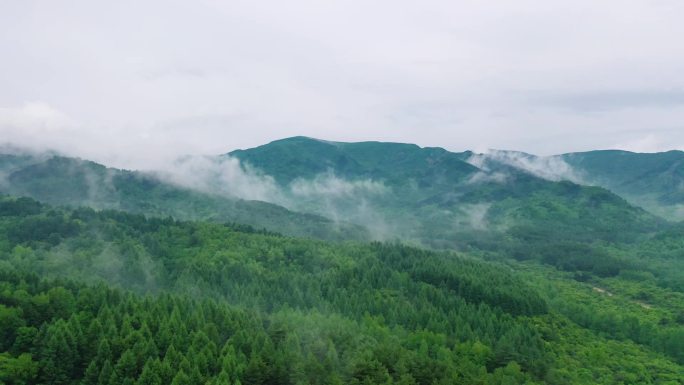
304, 157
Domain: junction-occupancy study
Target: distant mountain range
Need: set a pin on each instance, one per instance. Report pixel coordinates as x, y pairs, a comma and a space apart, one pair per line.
654, 181
432, 194
375, 190
558, 270
67, 181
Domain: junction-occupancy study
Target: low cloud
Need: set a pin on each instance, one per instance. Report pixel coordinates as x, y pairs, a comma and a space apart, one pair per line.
552, 168
328, 185
487, 177
342, 200
336, 198
35, 127
476, 215
224, 176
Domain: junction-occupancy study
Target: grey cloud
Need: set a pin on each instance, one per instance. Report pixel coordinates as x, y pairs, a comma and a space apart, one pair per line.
135, 84
610, 100
222, 176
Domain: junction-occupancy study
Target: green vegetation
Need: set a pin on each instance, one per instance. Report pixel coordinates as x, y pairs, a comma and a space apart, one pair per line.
435, 198
653, 181
301, 157
150, 300
117, 277
73, 182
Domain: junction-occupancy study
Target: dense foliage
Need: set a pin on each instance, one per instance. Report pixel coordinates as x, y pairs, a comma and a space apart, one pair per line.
203, 303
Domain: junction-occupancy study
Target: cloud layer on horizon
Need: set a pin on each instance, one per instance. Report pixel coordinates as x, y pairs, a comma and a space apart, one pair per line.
136, 84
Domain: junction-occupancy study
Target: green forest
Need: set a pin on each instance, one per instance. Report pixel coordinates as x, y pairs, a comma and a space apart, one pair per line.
375, 263
345, 192
107, 297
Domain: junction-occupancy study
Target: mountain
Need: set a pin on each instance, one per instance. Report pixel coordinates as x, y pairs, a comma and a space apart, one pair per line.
529, 277
305, 158
652, 180
338, 191
439, 198
73, 182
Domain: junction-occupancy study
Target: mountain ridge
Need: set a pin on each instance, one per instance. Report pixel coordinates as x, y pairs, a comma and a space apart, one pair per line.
67, 181
427, 195
433, 192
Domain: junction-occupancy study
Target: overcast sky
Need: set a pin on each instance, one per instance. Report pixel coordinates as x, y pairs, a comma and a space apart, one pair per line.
135, 83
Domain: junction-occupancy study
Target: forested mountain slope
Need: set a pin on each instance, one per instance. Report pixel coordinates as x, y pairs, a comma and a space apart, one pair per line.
654, 180
386, 191
211, 303
437, 198
68, 181
329, 190
398, 163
